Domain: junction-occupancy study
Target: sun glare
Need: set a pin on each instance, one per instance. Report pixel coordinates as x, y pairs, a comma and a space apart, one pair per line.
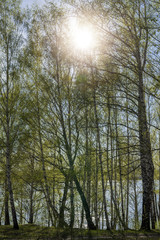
82, 36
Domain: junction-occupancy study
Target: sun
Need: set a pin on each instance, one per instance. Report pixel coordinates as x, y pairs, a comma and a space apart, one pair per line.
83, 38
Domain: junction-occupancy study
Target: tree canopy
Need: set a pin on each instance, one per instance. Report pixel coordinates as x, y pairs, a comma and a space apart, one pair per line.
79, 123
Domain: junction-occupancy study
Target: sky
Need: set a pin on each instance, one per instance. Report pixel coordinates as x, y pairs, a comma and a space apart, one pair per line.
29, 3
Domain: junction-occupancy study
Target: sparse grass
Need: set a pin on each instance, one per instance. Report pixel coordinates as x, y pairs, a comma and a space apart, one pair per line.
35, 232
28, 231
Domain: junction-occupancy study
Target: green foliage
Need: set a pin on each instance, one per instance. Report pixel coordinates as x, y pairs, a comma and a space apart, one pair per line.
49, 100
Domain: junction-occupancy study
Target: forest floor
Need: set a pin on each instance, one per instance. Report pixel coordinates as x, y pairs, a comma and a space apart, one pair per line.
35, 232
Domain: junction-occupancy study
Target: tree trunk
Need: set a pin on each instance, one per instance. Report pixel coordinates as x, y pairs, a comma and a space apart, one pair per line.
31, 205
153, 212
72, 205
14, 216
96, 191
62, 222
6, 204
8, 150
135, 201
46, 187
88, 161
128, 159
120, 174
147, 167
1, 214
100, 160
21, 209
91, 225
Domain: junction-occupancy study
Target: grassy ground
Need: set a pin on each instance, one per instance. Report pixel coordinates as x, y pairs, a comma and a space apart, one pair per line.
34, 232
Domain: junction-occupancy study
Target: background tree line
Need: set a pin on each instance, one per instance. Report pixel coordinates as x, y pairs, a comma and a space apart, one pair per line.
79, 132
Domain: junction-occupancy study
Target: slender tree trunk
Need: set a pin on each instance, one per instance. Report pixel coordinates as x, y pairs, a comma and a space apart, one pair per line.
8, 150
102, 216
62, 223
31, 193
156, 209
120, 172
115, 194
82, 218
13, 210
128, 161
136, 218
6, 204
96, 191
112, 179
72, 205
49, 209
120, 177
48, 197
91, 225
153, 214
31, 204
88, 162
87, 167
1, 214
21, 209
110, 166
100, 160
83, 189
